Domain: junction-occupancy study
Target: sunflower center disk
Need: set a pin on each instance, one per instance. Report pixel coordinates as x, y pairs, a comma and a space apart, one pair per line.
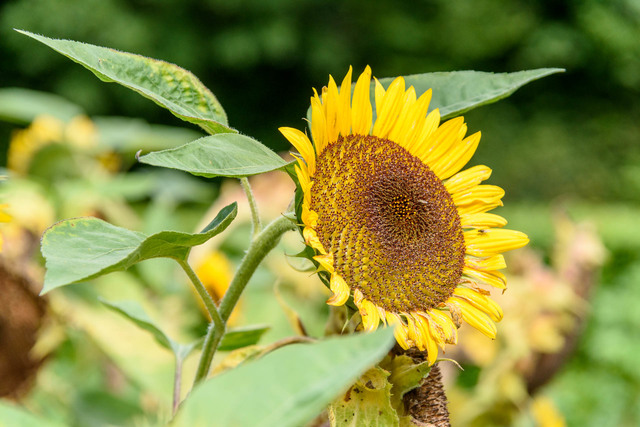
390, 223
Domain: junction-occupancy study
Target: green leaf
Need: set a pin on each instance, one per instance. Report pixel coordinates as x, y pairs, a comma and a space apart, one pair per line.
367, 403
23, 105
405, 376
230, 155
288, 387
456, 92
168, 85
134, 312
242, 337
13, 415
84, 248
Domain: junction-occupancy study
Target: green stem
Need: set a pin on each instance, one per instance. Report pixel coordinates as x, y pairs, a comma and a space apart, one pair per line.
258, 249
209, 304
177, 379
255, 215
217, 327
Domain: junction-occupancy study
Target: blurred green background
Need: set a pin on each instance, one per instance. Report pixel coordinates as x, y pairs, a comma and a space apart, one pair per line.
570, 139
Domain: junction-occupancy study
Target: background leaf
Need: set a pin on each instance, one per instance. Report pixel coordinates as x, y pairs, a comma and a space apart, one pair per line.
11, 415
242, 337
84, 248
288, 387
168, 85
230, 155
24, 105
134, 312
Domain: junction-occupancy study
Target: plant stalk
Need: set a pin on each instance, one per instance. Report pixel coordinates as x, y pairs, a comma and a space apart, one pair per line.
263, 243
256, 224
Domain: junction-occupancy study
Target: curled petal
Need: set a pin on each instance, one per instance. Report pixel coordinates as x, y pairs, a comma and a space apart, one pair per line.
325, 261
340, 290
311, 238
474, 317
480, 301
370, 315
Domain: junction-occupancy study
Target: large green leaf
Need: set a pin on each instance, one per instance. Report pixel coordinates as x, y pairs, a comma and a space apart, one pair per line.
84, 248
230, 155
12, 415
458, 91
168, 85
23, 105
288, 387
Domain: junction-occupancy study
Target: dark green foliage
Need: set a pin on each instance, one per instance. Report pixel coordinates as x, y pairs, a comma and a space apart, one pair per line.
573, 134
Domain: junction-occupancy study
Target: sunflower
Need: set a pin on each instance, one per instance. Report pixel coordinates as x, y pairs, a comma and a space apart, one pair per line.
393, 220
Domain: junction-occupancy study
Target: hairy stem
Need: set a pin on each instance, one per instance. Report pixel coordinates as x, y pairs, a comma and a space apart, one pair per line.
255, 215
258, 249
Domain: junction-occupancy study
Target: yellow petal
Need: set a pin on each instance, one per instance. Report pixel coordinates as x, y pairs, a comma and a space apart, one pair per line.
408, 118
474, 317
309, 217
370, 315
495, 262
479, 194
300, 141
428, 339
389, 108
318, 125
481, 302
414, 124
483, 243
311, 238
361, 110
340, 290
441, 142
399, 329
467, 179
446, 325
457, 157
491, 278
476, 208
332, 111
344, 111
325, 261
482, 220
415, 335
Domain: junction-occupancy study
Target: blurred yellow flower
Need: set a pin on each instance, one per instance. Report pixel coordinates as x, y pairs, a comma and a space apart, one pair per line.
215, 272
4, 217
545, 413
45, 130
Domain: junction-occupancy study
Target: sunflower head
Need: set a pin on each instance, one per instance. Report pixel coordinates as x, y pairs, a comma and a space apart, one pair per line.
393, 220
